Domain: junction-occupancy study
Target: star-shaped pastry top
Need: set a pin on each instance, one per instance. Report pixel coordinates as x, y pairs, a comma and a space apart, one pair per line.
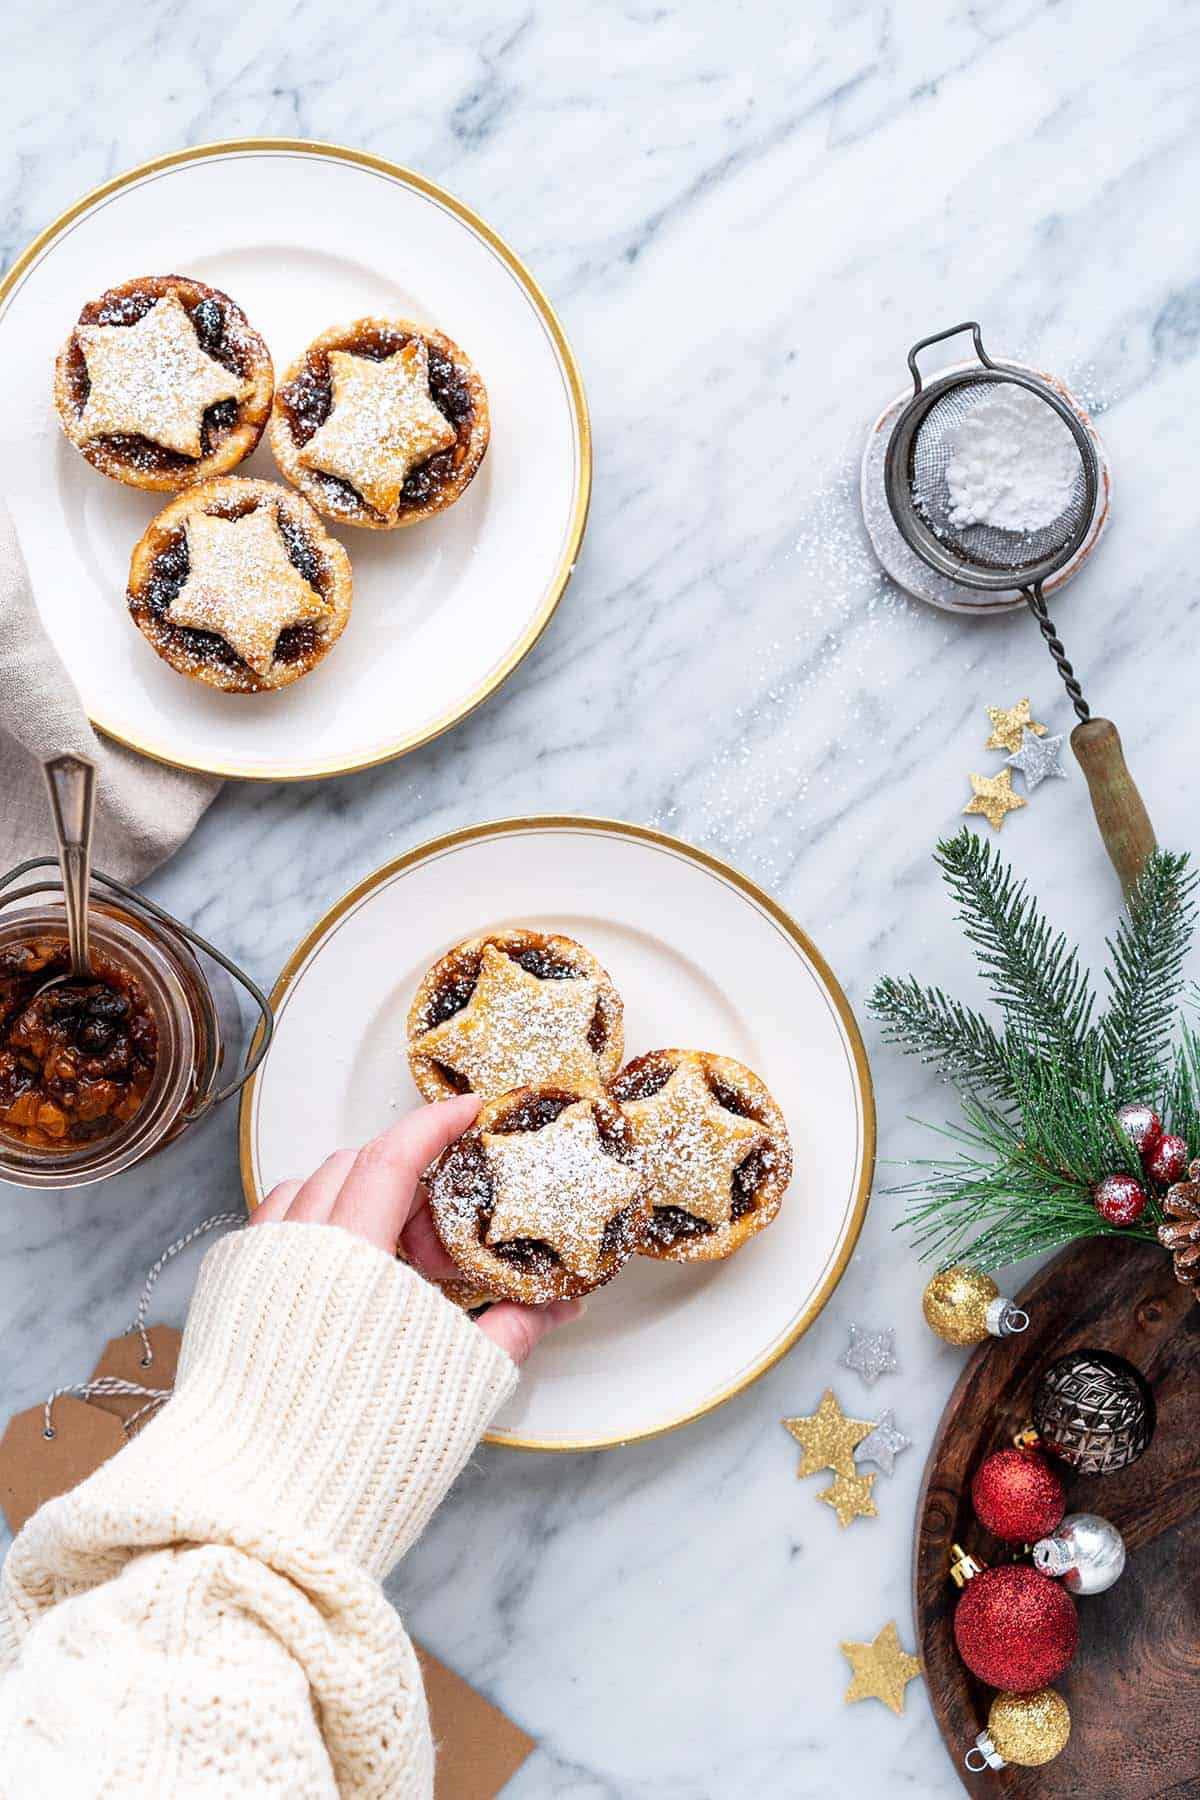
993, 797
243, 585
1038, 759
883, 1445
1008, 722
828, 1437
382, 424
881, 1670
152, 379
689, 1145
870, 1354
850, 1498
518, 1030
558, 1185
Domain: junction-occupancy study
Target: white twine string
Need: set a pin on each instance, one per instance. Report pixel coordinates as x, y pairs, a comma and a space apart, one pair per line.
189, 1237
113, 1384
106, 1384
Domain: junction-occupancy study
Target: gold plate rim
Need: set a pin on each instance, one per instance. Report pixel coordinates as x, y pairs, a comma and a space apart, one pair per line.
727, 872
322, 769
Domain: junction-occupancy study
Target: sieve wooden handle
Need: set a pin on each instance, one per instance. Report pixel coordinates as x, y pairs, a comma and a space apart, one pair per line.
1120, 811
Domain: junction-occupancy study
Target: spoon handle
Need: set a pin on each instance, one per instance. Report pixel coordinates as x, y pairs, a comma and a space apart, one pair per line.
71, 781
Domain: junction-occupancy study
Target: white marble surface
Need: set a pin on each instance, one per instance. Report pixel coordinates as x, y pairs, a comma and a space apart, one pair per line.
745, 216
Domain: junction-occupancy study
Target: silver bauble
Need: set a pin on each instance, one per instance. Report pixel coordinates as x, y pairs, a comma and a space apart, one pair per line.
1086, 1553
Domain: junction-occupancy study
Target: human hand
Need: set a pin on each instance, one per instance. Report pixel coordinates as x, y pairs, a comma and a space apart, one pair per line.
377, 1193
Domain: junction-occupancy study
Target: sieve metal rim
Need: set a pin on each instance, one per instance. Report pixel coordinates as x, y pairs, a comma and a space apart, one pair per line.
898, 465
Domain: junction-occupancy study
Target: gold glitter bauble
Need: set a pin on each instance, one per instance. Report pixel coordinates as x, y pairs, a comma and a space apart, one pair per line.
956, 1304
1029, 1729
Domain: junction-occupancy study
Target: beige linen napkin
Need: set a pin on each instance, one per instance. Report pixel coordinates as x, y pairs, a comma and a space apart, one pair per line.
144, 810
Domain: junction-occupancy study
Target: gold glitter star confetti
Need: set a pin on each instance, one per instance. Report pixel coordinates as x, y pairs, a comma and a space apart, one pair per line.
828, 1438
1008, 722
153, 380
850, 1498
383, 423
994, 798
880, 1670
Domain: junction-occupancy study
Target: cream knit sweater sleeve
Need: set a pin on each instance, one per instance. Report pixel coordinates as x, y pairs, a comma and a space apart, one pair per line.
203, 1617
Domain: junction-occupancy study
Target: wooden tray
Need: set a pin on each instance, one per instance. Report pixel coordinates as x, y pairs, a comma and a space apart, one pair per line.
1134, 1687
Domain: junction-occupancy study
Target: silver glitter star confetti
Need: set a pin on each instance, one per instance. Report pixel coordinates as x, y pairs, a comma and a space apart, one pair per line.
883, 1445
1037, 758
870, 1354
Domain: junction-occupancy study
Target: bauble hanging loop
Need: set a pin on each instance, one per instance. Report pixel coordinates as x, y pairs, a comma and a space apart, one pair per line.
1025, 1730
1085, 1552
964, 1306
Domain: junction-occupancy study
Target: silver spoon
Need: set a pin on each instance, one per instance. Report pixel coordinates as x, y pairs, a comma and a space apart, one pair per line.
71, 781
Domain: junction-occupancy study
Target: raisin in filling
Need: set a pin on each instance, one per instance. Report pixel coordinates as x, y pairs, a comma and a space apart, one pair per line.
469, 1182
306, 401
169, 571
212, 325
641, 1084
77, 1060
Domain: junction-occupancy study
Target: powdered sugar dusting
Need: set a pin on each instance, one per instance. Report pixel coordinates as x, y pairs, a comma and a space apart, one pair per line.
152, 379
560, 1186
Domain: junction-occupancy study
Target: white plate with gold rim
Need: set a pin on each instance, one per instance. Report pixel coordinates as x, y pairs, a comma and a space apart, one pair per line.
702, 957
302, 236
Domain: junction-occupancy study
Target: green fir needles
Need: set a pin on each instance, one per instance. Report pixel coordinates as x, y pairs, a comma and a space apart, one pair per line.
1042, 1079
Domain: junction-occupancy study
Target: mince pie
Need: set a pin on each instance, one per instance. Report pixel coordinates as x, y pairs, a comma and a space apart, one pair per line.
238, 584
712, 1147
163, 383
514, 1009
542, 1199
380, 423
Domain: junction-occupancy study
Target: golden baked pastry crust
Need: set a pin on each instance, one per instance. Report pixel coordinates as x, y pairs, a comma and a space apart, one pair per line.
161, 565
701, 1121
541, 1199
508, 1034
303, 405
231, 428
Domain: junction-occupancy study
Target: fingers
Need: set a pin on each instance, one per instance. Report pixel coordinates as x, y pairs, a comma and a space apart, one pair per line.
421, 1246
379, 1192
273, 1208
314, 1203
516, 1329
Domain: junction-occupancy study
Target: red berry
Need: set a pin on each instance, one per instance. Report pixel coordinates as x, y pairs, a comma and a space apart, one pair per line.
1141, 1125
1017, 1496
1119, 1199
1167, 1161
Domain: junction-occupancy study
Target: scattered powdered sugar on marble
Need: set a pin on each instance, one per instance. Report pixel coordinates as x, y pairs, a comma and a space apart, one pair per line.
1013, 463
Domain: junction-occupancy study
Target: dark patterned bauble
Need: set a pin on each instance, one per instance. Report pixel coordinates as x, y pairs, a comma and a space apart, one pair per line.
1119, 1199
1093, 1410
1015, 1628
1141, 1125
1168, 1159
1017, 1496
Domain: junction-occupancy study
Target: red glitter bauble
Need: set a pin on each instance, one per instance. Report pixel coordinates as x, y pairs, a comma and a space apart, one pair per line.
1015, 1628
1167, 1161
1141, 1125
1018, 1496
1119, 1199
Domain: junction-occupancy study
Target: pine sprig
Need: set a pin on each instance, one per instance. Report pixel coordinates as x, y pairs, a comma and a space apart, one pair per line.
959, 1043
1042, 1086
1034, 974
1145, 977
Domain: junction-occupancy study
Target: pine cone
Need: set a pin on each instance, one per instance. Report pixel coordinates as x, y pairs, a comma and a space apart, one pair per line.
1182, 1239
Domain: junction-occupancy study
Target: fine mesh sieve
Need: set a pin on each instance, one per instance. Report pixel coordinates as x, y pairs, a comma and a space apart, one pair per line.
988, 558
983, 556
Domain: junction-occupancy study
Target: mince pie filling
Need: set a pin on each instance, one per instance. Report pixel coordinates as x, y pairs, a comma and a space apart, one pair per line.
77, 1060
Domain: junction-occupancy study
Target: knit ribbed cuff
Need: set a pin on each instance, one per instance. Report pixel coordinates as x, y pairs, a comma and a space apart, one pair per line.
325, 1390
